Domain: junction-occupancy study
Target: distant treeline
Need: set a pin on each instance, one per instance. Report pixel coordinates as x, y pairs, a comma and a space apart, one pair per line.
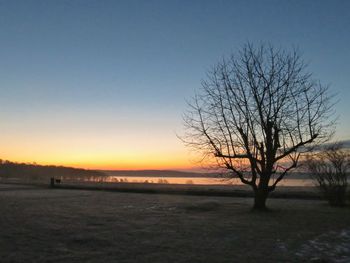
34, 171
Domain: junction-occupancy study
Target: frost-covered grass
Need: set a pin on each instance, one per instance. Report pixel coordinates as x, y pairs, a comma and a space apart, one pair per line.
331, 246
58, 225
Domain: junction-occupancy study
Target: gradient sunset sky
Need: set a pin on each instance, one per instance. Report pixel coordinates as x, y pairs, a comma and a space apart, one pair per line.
103, 84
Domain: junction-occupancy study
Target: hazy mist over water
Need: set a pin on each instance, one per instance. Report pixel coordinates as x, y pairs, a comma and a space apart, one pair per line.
197, 180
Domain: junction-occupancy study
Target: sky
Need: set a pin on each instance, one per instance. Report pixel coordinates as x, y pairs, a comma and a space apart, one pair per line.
103, 84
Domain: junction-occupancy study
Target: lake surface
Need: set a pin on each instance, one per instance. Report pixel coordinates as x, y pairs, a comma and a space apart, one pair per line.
199, 180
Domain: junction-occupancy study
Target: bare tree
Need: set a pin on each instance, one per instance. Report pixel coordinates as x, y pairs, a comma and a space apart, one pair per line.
261, 109
330, 167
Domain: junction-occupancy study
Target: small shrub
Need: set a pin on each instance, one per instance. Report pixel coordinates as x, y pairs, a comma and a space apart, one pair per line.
329, 168
189, 182
162, 181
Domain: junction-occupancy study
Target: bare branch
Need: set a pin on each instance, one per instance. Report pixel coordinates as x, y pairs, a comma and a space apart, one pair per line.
260, 107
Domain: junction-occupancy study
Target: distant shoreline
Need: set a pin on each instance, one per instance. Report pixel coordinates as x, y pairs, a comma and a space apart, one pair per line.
174, 173
289, 192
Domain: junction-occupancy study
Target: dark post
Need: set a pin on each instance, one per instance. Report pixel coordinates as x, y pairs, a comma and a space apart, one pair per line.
52, 182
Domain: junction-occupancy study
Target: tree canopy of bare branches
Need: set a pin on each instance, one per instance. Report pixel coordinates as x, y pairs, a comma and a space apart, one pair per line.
330, 168
261, 108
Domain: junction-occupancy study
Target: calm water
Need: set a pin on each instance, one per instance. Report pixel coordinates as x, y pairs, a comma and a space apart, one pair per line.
198, 181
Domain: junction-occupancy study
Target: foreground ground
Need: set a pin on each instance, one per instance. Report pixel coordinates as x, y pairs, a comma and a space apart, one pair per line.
58, 225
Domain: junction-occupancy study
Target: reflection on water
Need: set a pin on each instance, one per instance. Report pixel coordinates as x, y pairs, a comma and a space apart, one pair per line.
194, 180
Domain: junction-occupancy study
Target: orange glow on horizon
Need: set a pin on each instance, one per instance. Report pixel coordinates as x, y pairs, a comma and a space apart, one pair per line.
155, 163
116, 165
141, 163
86, 149
124, 160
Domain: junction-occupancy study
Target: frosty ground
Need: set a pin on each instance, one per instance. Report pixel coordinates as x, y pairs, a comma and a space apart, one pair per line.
58, 225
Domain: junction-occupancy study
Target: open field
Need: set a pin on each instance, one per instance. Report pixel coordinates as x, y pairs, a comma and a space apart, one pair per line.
61, 225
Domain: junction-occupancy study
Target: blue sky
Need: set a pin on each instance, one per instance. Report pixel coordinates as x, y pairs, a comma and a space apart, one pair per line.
87, 80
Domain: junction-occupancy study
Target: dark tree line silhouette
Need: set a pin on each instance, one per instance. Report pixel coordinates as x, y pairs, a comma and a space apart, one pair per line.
34, 171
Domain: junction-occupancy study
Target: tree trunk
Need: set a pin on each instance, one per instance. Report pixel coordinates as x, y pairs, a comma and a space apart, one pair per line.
260, 197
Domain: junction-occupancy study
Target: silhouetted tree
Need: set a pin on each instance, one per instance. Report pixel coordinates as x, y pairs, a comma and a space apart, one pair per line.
255, 115
330, 167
